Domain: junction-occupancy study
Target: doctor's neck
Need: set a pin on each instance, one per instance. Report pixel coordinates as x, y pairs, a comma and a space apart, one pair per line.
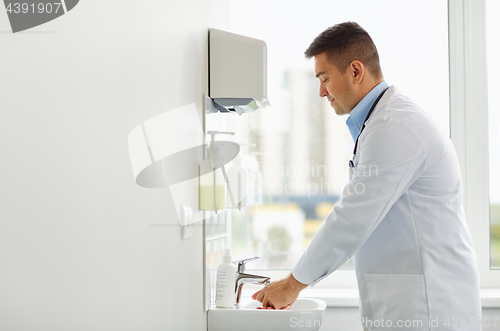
370, 84
362, 87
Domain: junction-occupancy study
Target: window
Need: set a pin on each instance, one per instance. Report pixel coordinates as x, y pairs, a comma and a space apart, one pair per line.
299, 164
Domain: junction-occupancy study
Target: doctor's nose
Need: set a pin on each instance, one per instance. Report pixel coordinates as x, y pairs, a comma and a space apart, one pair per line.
322, 92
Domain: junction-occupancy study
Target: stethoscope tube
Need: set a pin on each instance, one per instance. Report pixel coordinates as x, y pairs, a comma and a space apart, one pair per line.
351, 162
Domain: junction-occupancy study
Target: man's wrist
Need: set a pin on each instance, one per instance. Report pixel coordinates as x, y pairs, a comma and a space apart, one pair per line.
295, 285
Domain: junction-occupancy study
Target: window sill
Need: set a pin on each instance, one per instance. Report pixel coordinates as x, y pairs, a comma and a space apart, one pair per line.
349, 297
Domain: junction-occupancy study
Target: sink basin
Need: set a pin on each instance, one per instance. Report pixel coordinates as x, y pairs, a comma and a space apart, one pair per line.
304, 314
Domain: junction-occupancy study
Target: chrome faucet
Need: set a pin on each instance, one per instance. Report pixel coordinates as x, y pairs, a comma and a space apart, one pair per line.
242, 278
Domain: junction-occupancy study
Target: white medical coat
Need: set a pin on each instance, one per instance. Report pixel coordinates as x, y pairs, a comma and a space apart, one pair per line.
401, 214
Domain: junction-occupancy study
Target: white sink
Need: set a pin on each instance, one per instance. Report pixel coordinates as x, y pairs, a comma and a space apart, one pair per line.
304, 314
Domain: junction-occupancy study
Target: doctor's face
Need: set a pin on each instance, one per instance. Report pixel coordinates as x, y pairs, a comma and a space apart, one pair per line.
334, 85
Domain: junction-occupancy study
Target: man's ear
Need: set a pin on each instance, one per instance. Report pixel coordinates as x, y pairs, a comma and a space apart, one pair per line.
357, 71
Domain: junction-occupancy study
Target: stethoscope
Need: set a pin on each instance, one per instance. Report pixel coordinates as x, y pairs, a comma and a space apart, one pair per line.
351, 162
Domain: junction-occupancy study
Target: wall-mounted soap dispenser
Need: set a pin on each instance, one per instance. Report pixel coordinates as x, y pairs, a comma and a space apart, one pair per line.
237, 72
238, 182
212, 174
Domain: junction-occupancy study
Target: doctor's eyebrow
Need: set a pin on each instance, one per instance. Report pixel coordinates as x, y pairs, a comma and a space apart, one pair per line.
319, 74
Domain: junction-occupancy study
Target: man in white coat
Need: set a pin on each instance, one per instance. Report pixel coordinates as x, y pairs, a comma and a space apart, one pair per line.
400, 215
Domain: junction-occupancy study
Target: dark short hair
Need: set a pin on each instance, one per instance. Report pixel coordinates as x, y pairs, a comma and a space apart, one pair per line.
344, 43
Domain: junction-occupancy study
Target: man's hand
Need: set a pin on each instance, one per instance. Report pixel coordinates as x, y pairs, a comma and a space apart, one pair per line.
280, 294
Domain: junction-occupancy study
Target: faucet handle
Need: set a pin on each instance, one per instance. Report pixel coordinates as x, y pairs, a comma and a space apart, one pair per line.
240, 264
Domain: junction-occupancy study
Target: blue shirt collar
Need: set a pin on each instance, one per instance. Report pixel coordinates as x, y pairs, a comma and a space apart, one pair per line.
358, 114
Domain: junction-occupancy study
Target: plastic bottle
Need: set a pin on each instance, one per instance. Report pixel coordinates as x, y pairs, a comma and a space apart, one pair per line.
226, 272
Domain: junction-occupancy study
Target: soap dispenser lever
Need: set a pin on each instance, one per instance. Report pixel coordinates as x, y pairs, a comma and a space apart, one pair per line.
243, 278
213, 133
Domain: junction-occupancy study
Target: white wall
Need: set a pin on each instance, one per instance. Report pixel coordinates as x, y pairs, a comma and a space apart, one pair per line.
77, 249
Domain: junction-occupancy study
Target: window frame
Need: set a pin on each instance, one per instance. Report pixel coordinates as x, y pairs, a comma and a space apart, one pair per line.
469, 122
